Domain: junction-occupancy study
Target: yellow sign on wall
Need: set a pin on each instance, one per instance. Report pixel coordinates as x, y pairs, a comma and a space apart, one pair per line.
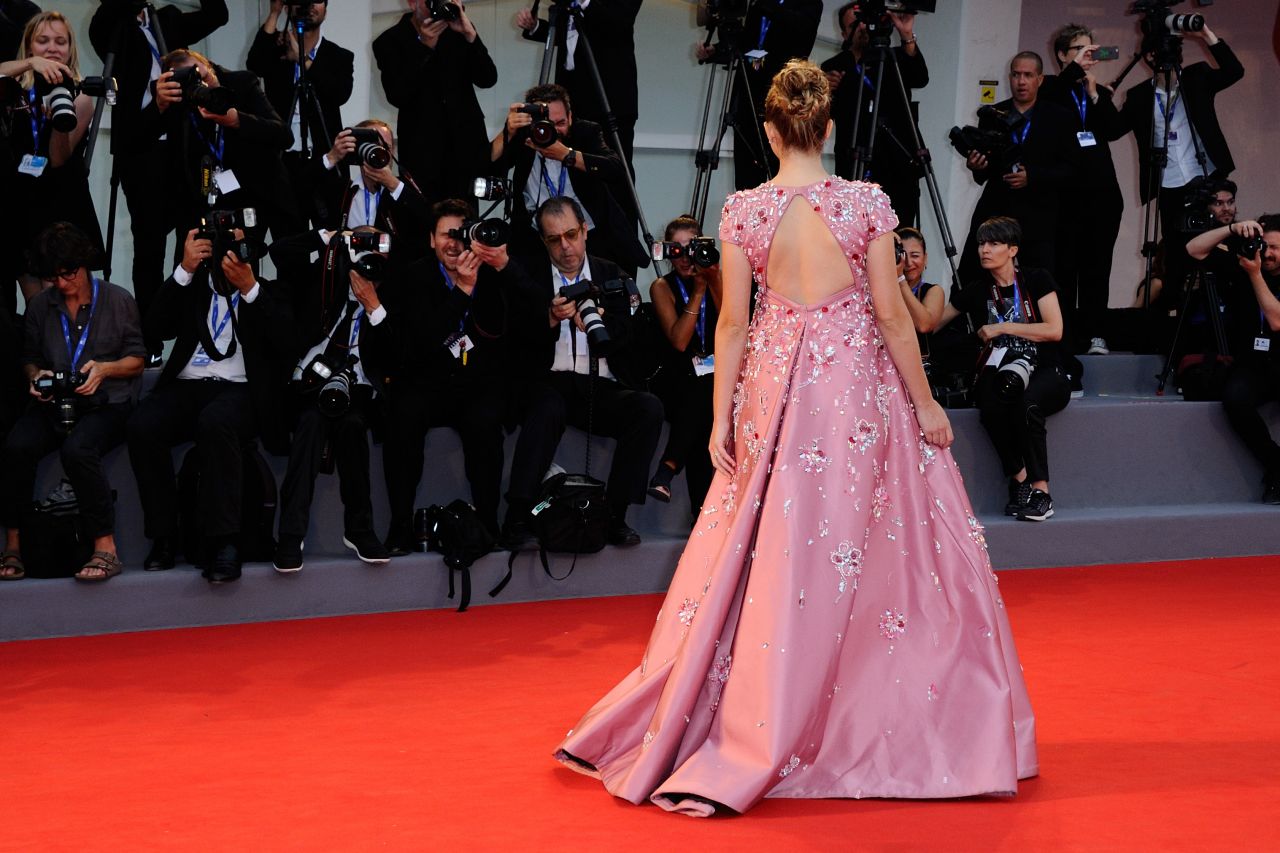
987, 91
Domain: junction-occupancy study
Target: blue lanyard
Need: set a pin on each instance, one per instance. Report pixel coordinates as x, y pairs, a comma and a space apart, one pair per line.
216, 325
555, 191
1082, 105
84, 334
1173, 105
765, 24
701, 327
857, 66
218, 146
1022, 137
368, 214
311, 54
145, 26
448, 282
35, 121
353, 342
1016, 313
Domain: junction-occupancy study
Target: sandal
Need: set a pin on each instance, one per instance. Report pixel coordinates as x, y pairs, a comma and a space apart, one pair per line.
11, 561
660, 485
104, 561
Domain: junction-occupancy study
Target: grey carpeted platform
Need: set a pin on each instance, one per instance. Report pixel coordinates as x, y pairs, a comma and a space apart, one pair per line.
1135, 478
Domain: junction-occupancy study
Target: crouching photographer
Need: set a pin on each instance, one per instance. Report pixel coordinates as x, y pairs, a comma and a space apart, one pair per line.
83, 354
1020, 380
349, 350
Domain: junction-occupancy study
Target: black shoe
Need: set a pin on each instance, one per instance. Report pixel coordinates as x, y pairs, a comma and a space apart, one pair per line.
660, 485
517, 536
1271, 494
622, 535
1019, 494
1039, 507
368, 548
226, 565
288, 557
162, 556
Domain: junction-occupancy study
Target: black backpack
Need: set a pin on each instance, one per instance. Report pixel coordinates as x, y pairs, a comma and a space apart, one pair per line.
571, 517
257, 508
54, 542
457, 532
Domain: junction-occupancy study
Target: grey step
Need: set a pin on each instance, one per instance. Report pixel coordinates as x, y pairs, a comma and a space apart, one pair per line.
1122, 375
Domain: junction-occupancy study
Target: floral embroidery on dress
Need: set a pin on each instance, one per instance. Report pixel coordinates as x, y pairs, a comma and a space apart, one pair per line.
848, 562
812, 459
718, 676
893, 624
789, 767
688, 609
865, 434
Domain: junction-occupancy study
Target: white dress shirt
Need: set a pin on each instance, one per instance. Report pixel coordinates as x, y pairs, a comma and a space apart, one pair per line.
201, 366
573, 352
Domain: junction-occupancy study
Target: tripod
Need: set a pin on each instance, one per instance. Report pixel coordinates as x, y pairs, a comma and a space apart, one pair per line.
558, 15
304, 94
707, 158
1200, 280
881, 55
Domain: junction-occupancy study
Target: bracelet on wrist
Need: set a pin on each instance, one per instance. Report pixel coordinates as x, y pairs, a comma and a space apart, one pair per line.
694, 313
911, 40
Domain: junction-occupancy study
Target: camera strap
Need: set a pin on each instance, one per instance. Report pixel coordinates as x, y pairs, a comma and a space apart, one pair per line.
1020, 311
217, 326
37, 119
74, 354
557, 190
701, 327
219, 144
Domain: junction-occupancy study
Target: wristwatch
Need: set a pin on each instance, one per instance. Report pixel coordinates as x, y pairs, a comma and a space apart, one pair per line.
570, 159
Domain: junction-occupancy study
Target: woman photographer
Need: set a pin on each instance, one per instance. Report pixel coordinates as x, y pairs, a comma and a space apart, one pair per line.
1019, 322
52, 177
686, 302
924, 301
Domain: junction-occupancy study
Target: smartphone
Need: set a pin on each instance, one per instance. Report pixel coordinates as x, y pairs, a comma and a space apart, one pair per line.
1106, 54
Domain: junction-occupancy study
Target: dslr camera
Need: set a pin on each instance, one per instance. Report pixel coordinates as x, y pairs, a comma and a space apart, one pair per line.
1162, 30
219, 228
370, 149
367, 252
61, 388
584, 294
996, 145
333, 377
197, 93
701, 250
442, 10
542, 131
1197, 217
1245, 247
487, 232
61, 97
1016, 368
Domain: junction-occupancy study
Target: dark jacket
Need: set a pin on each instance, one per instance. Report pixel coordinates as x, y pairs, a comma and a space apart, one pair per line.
895, 146
264, 332
610, 30
793, 29
331, 75
1092, 165
443, 142
133, 54
14, 15
1201, 83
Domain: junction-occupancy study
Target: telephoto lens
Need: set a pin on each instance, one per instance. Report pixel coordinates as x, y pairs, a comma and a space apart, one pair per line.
582, 293
61, 101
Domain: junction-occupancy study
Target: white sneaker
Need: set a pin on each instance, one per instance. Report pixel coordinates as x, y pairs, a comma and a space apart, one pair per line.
1098, 346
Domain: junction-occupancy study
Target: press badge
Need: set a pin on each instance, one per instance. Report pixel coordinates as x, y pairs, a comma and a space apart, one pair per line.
1086, 138
997, 356
200, 358
756, 58
459, 345
704, 365
226, 182
33, 165
1262, 344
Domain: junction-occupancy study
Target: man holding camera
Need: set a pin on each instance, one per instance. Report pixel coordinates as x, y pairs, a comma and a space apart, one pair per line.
83, 355
1253, 298
128, 30
579, 306
894, 166
431, 61
327, 70
222, 386
453, 364
349, 351
556, 156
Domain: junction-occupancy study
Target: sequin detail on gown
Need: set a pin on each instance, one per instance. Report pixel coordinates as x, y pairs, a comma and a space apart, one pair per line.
833, 628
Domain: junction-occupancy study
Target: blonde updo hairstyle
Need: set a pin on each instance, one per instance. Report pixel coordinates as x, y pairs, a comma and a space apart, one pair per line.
799, 105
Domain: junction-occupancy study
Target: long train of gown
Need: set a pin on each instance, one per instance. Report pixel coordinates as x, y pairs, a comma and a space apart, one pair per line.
833, 628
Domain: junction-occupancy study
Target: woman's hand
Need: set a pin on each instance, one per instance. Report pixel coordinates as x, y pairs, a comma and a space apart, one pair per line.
934, 424
721, 447
52, 72
991, 331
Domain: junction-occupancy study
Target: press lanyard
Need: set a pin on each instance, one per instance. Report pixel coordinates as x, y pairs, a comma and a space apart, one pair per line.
765, 24
1082, 105
1173, 105
701, 327
370, 212
1016, 314
220, 142
558, 190
353, 342
219, 325
857, 66
84, 334
35, 121
1022, 137
448, 282
311, 54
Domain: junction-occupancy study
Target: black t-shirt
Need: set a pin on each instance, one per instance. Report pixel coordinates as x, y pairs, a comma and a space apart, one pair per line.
1245, 321
922, 290
1030, 285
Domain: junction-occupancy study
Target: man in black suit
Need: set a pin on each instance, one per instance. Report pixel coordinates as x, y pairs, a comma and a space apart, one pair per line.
1027, 188
894, 166
773, 32
429, 71
239, 150
119, 27
609, 26
329, 70
578, 164
452, 315
222, 386
14, 15
343, 326
565, 380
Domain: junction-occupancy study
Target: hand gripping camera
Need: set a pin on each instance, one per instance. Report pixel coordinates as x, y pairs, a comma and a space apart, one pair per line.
584, 294
219, 228
334, 377
701, 250
996, 145
370, 150
441, 10
60, 97
61, 387
542, 131
485, 230
197, 93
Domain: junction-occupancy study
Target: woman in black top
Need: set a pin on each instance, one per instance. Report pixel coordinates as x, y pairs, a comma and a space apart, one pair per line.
1019, 322
924, 301
686, 302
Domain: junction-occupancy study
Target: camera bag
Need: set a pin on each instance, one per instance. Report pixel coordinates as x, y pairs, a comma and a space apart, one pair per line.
457, 532
54, 542
257, 508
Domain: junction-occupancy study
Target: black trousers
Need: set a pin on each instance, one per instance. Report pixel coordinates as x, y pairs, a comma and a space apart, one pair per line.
899, 181
1174, 238
149, 223
1017, 429
1251, 383
687, 401
1087, 241
473, 409
219, 416
33, 437
348, 440
560, 398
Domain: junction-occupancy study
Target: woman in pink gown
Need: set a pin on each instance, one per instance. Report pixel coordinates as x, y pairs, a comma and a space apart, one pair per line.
834, 628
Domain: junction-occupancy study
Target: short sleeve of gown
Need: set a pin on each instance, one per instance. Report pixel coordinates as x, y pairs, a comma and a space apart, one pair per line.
730, 224
880, 215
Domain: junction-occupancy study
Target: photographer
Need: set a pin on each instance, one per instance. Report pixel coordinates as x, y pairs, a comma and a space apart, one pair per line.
924, 301
894, 168
83, 354
48, 155
1090, 213
274, 56
224, 146
431, 61
452, 365
609, 26
775, 31
1015, 310
575, 163
125, 29
232, 353
566, 379
337, 379
687, 303
1254, 376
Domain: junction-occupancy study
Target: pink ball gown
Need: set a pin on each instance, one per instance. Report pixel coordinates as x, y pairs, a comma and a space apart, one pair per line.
834, 628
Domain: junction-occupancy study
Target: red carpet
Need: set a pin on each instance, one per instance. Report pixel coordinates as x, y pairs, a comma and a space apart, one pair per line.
1156, 687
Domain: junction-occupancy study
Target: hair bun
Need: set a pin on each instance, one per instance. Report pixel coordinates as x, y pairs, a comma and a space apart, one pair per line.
799, 104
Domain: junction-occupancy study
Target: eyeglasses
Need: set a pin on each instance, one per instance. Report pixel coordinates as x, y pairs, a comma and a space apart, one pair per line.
65, 275
569, 236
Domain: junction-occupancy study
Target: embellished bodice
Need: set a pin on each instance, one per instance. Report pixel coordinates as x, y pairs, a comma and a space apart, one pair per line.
856, 212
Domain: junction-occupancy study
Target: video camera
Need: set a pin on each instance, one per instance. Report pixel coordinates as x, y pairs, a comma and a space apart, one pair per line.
219, 228
875, 13
61, 97
61, 388
701, 250
542, 131
996, 145
1162, 30
370, 149
197, 93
